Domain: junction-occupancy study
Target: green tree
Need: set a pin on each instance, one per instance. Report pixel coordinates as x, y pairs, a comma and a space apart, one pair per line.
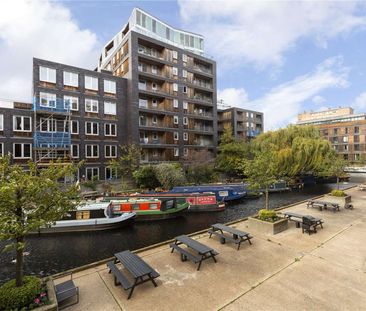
334, 166
145, 177
199, 167
169, 175
128, 162
231, 153
30, 200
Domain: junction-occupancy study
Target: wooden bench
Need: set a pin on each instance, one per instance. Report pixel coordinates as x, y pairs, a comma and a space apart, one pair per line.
237, 235
119, 277
323, 205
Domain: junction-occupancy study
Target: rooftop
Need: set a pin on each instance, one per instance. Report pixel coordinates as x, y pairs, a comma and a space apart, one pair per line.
291, 270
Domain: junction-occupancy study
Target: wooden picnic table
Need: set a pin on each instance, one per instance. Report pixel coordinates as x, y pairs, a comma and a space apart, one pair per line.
298, 218
238, 236
203, 251
323, 205
137, 267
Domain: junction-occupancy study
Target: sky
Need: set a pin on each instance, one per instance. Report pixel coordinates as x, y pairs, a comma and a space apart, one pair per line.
278, 57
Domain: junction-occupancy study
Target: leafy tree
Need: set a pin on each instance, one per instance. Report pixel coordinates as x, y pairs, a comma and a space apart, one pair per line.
334, 165
231, 152
169, 175
199, 167
128, 162
30, 200
145, 177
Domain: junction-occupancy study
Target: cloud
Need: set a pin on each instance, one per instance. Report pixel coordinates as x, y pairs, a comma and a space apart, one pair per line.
41, 29
233, 96
359, 103
318, 100
283, 102
261, 32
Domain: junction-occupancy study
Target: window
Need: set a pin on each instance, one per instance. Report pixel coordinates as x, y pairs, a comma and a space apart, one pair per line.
185, 152
184, 73
184, 89
48, 125
71, 79
154, 69
185, 120
110, 173
335, 131
22, 124
175, 119
110, 151
345, 139
91, 128
153, 206
1, 149
185, 105
74, 151
22, 151
91, 105
92, 173
184, 57
142, 85
357, 147
91, 83
109, 86
71, 102
175, 87
47, 74
47, 100
154, 120
1, 122
185, 136
175, 54
176, 135
154, 103
176, 152
175, 103
357, 130
154, 86
110, 129
142, 103
175, 71
356, 138
74, 127
110, 108
92, 151
155, 136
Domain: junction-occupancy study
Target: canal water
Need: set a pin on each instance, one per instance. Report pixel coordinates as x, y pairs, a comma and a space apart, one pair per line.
48, 255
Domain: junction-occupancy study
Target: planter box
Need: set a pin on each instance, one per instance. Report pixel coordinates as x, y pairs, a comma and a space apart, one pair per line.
266, 227
52, 298
342, 201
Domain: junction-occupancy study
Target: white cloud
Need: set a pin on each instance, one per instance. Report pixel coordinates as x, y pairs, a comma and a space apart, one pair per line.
261, 32
360, 102
282, 103
41, 29
318, 100
233, 96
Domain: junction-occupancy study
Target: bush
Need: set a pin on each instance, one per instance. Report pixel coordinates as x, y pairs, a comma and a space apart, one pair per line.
338, 193
267, 215
169, 175
12, 297
91, 184
145, 177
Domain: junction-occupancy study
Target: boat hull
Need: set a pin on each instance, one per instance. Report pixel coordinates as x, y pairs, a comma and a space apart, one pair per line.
150, 216
207, 208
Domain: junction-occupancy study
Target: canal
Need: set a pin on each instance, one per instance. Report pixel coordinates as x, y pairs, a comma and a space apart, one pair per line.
48, 255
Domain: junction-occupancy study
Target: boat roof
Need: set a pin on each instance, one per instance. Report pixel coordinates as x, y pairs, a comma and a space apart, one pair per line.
93, 206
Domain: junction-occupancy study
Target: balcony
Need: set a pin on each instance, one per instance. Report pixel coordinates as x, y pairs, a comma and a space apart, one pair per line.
150, 52
60, 140
202, 68
157, 124
203, 128
202, 84
201, 97
157, 90
200, 113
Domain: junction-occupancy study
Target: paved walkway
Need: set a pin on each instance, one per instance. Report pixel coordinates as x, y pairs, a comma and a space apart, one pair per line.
288, 271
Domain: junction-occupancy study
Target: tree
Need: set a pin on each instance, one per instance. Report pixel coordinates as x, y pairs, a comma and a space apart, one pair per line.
145, 177
334, 165
199, 166
128, 162
231, 152
169, 175
30, 200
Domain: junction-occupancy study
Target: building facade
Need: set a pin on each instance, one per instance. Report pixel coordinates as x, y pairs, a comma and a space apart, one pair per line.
344, 129
246, 124
171, 87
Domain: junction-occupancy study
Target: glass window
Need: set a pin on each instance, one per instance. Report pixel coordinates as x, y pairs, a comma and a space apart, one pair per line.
71, 102
185, 136
176, 135
175, 119
175, 103
110, 129
110, 151
142, 103
91, 105
47, 100
185, 120
185, 152
22, 151
91, 83
92, 151
175, 55
22, 123
175, 87
110, 108
92, 173
176, 152
74, 151
92, 128
47, 74
175, 71
184, 73
48, 125
71, 79
153, 206
154, 103
74, 127
185, 105
109, 86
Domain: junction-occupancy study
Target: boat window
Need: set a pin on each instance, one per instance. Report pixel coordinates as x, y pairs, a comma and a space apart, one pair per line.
153, 205
181, 200
135, 206
168, 204
83, 215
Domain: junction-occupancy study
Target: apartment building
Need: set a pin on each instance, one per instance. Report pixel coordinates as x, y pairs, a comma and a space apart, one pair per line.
78, 114
171, 88
345, 130
246, 124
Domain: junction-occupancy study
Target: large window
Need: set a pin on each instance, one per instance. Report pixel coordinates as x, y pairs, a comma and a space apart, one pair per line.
48, 125
47, 74
71, 102
109, 86
110, 108
110, 173
92, 173
110, 129
92, 151
91, 105
142, 103
91, 83
110, 151
47, 100
22, 124
74, 127
91, 128
176, 135
74, 151
175, 119
71, 79
22, 151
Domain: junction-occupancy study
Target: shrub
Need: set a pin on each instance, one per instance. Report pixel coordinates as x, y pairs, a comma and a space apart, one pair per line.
91, 184
267, 215
169, 175
145, 177
12, 297
338, 193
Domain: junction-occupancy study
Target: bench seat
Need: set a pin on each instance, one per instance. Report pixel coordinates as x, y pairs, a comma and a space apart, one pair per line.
184, 253
118, 275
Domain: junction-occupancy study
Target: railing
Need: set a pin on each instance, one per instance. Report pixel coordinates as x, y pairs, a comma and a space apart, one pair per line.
204, 98
148, 52
202, 114
58, 105
52, 139
202, 84
202, 69
203, 128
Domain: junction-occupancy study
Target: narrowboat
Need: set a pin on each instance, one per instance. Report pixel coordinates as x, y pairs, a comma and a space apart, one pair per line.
151, 208
90, 217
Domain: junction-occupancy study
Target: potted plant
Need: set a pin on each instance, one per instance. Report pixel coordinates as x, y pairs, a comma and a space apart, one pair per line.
267, 222
340, 197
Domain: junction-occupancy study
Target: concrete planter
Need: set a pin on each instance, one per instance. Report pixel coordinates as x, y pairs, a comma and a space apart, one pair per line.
266, 227
342, 201
52, 298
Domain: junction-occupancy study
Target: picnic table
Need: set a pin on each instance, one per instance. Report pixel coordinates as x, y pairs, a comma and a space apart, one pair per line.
137, 267
202, 251
323, 205
298, 219
237, 235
